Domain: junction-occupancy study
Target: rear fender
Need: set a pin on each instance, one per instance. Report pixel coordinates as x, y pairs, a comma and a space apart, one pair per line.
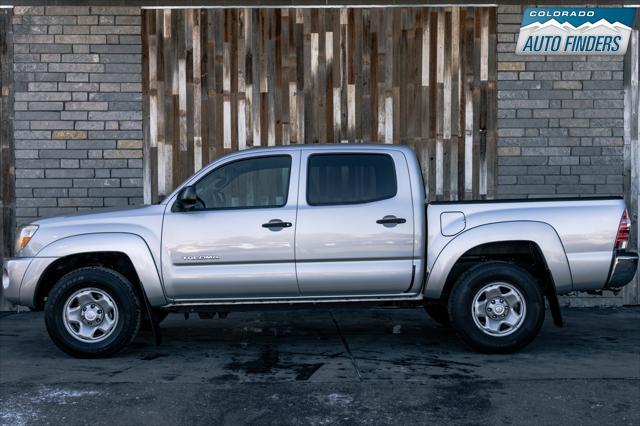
539, 233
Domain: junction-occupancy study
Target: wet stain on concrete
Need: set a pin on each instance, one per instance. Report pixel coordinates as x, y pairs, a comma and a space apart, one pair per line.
151, 357
268, 361
265, 363
304, 372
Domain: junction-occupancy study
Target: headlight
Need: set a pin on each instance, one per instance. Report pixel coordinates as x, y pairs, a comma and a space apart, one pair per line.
24, 236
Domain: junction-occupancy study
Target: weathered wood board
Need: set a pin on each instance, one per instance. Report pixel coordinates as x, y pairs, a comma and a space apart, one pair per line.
220, 80
7, 174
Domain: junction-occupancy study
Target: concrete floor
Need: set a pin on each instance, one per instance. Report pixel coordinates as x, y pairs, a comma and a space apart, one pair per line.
360, 366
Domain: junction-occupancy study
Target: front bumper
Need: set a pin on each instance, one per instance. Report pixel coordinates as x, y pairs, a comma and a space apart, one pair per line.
20, 278
623, 269
13, 271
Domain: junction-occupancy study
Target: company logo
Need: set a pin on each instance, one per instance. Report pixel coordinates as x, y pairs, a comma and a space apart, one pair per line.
202, 257
573, 31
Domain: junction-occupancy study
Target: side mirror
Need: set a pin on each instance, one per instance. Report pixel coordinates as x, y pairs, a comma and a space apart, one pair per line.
187, 198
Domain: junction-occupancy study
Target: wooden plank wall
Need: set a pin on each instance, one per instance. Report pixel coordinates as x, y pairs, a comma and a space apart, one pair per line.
631, 293
7, 182
221, 80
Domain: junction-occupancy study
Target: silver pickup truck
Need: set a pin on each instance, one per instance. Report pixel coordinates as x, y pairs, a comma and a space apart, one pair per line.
310, 226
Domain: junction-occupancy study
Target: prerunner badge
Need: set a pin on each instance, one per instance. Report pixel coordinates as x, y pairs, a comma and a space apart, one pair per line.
573, 31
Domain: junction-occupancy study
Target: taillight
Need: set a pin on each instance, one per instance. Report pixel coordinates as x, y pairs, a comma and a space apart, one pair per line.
622, 239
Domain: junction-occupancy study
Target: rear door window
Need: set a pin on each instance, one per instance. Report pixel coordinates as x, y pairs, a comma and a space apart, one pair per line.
334, 179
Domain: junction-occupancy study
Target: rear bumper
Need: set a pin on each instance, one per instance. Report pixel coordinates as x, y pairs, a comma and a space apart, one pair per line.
623, 269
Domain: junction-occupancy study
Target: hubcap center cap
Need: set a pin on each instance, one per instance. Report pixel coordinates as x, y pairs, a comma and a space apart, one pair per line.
92, 312
497, 308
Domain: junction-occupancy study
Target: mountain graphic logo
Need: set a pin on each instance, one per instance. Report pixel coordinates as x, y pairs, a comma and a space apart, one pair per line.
573, 31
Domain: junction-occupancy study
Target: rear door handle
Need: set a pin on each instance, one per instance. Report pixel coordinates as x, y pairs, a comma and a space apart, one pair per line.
276, 223
390, 220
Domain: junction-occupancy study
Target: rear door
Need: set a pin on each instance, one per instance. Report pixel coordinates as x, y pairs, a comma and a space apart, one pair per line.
354, 231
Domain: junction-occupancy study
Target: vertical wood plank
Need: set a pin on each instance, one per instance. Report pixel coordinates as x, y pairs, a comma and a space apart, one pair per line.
220, 80
7, 147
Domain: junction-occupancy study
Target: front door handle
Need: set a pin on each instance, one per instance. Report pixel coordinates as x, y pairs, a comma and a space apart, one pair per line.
276, 223
388, 220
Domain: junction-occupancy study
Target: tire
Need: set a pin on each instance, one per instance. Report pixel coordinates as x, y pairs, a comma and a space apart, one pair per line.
92, 313
439, 313
511, 301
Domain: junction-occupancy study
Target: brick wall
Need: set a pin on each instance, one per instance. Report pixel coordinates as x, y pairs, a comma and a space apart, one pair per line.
560, 127
561, 120
78, 109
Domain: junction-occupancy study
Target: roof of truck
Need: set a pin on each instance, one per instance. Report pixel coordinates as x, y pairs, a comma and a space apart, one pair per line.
333, 147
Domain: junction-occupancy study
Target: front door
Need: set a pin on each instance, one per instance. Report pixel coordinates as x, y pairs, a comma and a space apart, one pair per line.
238, 240
355, 230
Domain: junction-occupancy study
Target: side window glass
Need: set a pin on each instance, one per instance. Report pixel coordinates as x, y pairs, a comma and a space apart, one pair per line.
350, 178
252, 183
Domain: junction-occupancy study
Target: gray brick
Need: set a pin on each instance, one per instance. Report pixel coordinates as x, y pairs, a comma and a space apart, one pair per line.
76, 29
43, 183
51, 125
115, 77
80, 48
115, 29
133, 39
523, 123
603, 85
73, 115
103, 164
86, 106
81, 202
67, 10
123, 68
79, 58
116, 202
87, 20
80, 39
76, 67
69, 164
89, 125
550, 94
115, 192
115, 50
70, 173
42, 96
115, 10
36, 202
33, 38
62, 153
77, 77
107, 20
599, 66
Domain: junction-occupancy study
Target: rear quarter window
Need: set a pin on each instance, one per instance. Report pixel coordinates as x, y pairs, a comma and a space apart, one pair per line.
334, 179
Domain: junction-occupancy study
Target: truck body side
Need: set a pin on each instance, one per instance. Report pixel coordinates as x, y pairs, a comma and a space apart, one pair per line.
575, 238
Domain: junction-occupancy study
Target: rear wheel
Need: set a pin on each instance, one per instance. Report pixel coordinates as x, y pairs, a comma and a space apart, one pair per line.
497, 307
92, 312
439, 313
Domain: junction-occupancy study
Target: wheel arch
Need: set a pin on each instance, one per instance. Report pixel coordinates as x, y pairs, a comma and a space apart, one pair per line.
127, 254
525, 240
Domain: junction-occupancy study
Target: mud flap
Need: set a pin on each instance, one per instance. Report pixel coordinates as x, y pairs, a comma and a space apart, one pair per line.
554, 305
153, 320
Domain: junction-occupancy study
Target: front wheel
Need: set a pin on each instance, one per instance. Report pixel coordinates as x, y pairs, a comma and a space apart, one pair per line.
497, 307
92, 312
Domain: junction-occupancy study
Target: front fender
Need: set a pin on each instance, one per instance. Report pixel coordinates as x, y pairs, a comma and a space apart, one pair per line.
539, 233
131, 245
